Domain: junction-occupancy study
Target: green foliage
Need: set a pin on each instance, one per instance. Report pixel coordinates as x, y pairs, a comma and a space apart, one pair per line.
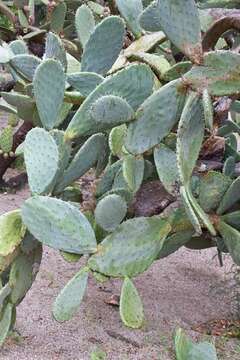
131, 308
85, 24
140, 110
187, 350
98, 58
155, 118
131, 249
70, 298
110, 212
176, 17
58, 224
48, 87
41, 158
131, 11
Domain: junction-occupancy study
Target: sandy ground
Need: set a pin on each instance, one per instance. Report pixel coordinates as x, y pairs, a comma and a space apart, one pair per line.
185, 289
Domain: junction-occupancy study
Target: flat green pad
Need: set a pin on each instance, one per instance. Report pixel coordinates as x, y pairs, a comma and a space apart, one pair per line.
116, 139
58, 17
71, 258
111, 111
187, 350
23, 273
41, 159
6, 139
232, 219
166, 165
150, 19
231, 239
134, 84
208, 109
5, 322
180, 21
200, 213
219, 74
68, 301
155, 118
49, 87
212, 188
54, 49
105, 183
110, 212
231, 196
84, 82
133, 171
190, 136
174, 242
11, 232
59, 225
84, 23
190, 211
5, 291
25, 65
97, 57
131, 11
131, 308
86, 157
131, 249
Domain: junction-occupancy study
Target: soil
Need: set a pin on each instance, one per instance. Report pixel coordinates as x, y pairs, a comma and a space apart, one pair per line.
186, 289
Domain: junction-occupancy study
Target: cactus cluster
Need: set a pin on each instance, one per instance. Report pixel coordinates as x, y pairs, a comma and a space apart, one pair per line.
138, 116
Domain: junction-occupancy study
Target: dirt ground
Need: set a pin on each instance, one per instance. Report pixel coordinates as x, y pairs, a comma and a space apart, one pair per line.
186, 289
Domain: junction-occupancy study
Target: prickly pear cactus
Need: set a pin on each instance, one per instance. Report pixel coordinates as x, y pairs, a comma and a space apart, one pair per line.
149, 100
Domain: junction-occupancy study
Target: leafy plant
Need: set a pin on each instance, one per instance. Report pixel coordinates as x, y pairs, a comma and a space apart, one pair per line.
156, 110
187, 350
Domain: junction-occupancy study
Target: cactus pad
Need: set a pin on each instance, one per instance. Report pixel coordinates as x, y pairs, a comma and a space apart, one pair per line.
6, 139
11, 232
54, 49
49, 87
190, 136
134, 84
84, 160
84, 82
68, 301
131, 249
59, 225
110, 212
25, 65
155, 118
133, 171
96, 56
131, 308
217, 65
85, 24
166, 165
231, 239
131, 10
41, 158
230, 197
5, 321
110, 111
